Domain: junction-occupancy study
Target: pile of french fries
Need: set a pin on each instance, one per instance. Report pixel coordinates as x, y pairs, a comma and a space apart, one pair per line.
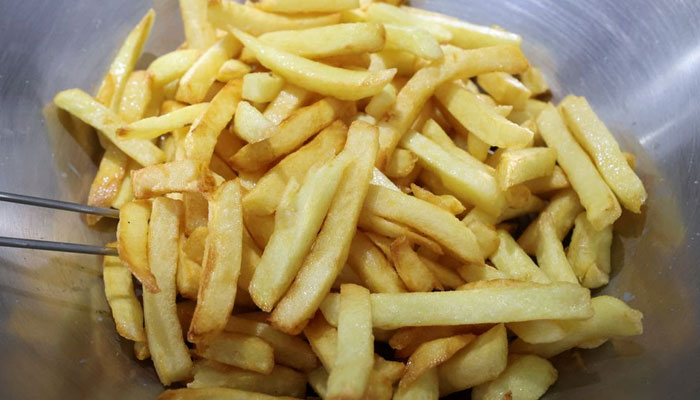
303, 178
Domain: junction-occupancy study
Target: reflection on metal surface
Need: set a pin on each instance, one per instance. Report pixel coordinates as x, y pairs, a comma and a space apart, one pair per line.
637, 64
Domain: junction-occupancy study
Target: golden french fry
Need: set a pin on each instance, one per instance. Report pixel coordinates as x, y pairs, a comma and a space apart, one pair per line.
589, 253
132, 239
481, 361
222, 263
119, 290
550, 254
475, 303
297, 221
261, 87
232, 69
195, 83
601, 206
282, 381
108, 180
611, 318
238, 350
512, 260
355, 355
435, 222
528, 376
204, 132
88, 110
414, 40
472, 272
249, 260
372, 267
332, 246
592, 134
520, 165
340, 83
445, 201
250, 124
125, 193
198, 31
556, 181
388, 14
431, 354
375, 224
306, 6
290, 135
289, 99
534, 80
426, 386
216, 393
504, 88
175, 176
562, 210
413, 272
152, 127
165, 341
400, 164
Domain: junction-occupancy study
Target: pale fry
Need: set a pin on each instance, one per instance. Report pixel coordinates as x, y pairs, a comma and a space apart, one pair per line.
152, 127
238, 350
528, 376
562, 210
323, 339
433, 131
189, 271
550, 254
196, 211
540, 331
222, 263
261, 87
512, 260
132, 238
375, 224
431, 354
556, 181
388, 14
355, 355
445, 276
341, 83
372, 267
400, 164
589, 253
307, 6
250, 124
601, 206
485, 233
504, 88
592, 134
445, 201
172, 66
217, 393
426, 386
381, 102
416, 41
198, 32
520, 165
416, 275
534, 80
119, 290
165, 341
108, 180
175, 176
289, 99
136, 96
379, 179
406, 340
472, 272
232, 69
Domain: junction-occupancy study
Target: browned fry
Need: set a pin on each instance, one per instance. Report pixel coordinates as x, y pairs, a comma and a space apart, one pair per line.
110, 174
410, 268
431, 354
175, 176
259, 227
406, 340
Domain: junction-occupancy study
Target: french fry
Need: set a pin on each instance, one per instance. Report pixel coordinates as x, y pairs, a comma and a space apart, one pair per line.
290, 135
431, 354
216, 393
125, 193
485, 233
282, 381
222, 262
406, 340
401, 164
375, 224
132, 239
556, 181
230, 15
520, 165
250, 124
550, 254
119, 290
445, 276
323, 339
238, 350
346, 275
250, 258
265, 196
198, 31
414, 40
189, 271
433, 131
355, 355
340, 83
260, 227
152, 127
464, 34
297, 221
481, 119
332, 246
232, 69
589, 253
611, 318
372, 267
379, 179
202, 74
601, 206
388, 14
204, 132
261, 87
219, 167
424, 387
595, 138
108, 180
477, 147
136, 96
196, 211
562, 210
512, 260
175, 176
534, 80
90, 111
435, 222
141, 351
318, 380
165, 342
306, 6
475, 303
112, 86
289, 99
472, 272
381, 102
529, 112
481, 361
540, 331
405, 63
445, 201
413, 272
528, 376
504, 88
328, 41
470, 184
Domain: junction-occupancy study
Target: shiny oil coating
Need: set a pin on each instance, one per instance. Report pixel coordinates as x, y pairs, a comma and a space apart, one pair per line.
638, 63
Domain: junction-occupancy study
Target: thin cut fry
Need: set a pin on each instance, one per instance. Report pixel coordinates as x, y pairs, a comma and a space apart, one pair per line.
152, 127
556, 181
550, 254
132, 238
445, 201
388, 14
374, 224
472, 272
521, 165
232, 69
504, 88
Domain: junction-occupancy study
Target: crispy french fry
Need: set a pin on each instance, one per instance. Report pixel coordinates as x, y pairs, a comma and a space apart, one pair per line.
414, 40
355, 355
520, 165
375, 224
232, 69
332, 246
198, 31
297, 221
289, 99
550, 254
611, 318
202, 74
388, 14
290, 135
152, 127
528, 376
476, 303
426, 386
372, 267
282, 381
534, 80
108, 180
328, 41
481, 361
88, 110
319, 6
592, 134
556, 181
238, 350
401, 164
562, 210
472, 272
406, 340
222, 263
175, 176
412, 271
601, 206
431, 354
132, 239
504, 88
341, 83
512, 260
217, 393
250, 124
119, 290
165, 342
204, 132
445, 201
589, 253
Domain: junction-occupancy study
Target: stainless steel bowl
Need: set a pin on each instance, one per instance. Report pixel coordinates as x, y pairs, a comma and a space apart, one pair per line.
638, 62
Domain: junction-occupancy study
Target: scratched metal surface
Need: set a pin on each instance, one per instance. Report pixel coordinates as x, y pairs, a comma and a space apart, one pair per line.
637, 62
